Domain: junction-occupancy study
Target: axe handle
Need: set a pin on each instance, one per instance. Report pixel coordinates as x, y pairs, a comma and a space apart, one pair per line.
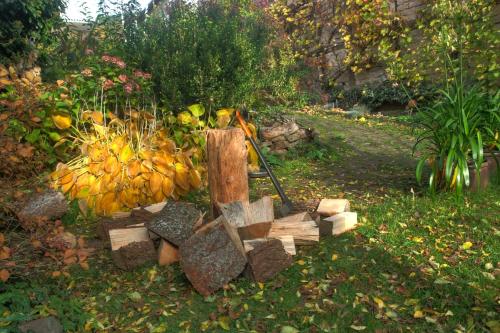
276, 183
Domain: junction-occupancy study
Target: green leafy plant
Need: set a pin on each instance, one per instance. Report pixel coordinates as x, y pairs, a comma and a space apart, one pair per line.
455, 130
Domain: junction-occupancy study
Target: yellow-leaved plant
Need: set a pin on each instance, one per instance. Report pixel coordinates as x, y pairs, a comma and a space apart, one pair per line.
124, 164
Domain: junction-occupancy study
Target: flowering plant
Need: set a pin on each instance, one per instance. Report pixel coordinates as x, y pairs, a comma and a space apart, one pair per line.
108, 84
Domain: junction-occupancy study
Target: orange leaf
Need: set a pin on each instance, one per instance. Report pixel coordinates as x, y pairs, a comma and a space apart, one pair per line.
84, 265
56, 274
4, 253
4, 275
70, 260
36, 243
2, 239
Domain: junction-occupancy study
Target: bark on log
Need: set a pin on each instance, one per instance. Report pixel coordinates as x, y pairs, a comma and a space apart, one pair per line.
176, 222
134, 254
213, 256
268, 259
227, 167
287, 242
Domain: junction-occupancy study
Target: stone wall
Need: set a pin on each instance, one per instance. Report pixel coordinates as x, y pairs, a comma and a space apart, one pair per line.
332, 51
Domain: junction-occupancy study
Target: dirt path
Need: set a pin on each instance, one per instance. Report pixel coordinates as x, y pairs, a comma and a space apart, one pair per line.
374, 156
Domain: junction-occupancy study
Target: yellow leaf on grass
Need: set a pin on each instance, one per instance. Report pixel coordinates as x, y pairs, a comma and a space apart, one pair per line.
466, 245
62, 121
379, 302
418, 314
335, 257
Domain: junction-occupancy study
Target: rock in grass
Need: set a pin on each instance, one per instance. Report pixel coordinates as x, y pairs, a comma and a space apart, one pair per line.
268, 259
175, 222
47, 205
213, 256
43, 325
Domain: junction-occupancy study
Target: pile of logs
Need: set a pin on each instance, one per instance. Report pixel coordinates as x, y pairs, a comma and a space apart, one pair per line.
283, 135
245, 239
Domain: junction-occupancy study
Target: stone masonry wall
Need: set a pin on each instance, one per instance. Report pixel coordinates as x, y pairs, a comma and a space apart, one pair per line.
332, 49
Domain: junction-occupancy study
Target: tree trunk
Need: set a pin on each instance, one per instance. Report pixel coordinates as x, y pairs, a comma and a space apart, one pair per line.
227, 167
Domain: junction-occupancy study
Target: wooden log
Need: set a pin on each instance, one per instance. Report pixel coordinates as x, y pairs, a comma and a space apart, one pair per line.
256, 230
338, 224
154, 208
262, 210
329, 207
236, 213
287, 242
299, 217
267, 259
213, 256
134, 254
176, 222
227, 167
125, 236
167, 253
303, 232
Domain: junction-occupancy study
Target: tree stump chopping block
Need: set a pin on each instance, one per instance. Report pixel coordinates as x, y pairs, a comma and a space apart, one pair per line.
227, 167
213, 256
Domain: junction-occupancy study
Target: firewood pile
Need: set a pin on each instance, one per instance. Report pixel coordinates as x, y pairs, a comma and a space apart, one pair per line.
284, 134
246, 239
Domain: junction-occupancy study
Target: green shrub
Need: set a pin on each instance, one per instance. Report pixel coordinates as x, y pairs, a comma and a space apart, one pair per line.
387, 92
218, 53
24, 24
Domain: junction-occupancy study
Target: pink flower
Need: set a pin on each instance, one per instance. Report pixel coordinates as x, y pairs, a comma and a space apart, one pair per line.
120, 63
108, 84
144, 75
89, 51
123, 78
87, 72
128, 88
106, 58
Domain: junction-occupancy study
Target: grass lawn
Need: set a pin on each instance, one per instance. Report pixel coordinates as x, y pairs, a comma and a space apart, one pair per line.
417, 262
